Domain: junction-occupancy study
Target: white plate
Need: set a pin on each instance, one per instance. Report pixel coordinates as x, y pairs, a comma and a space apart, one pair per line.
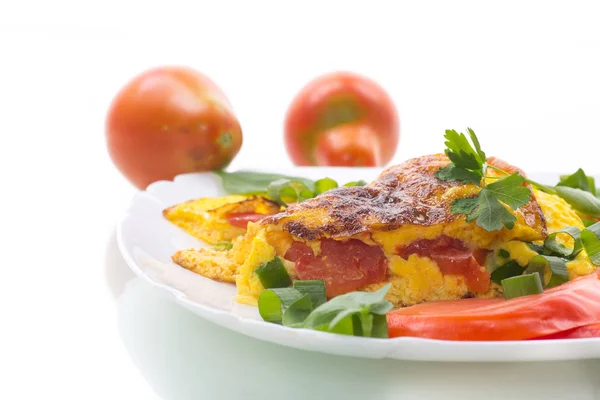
147, 241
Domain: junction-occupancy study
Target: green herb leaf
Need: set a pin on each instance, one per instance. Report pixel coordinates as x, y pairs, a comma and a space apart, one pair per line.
461, 152
284, 191
475, 141
508, 270
314, 288
554, 247
590, 238
580, 200
523, 285
329, 315
486, 208
510, 191
325, 184
454, 173
272, 274
250, 182
356, 183
579, 180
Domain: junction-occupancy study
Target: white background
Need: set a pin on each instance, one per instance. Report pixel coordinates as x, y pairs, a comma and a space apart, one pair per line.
524, 75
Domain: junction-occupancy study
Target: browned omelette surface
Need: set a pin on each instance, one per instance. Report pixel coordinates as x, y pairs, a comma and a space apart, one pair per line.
404, 194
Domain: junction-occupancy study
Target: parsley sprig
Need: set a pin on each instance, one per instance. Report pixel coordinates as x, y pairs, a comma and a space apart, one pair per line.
468, 165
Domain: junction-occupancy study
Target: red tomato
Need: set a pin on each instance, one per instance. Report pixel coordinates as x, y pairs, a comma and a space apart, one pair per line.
344, 266
169, 121
588, 331
241, 219
565, 307
342, 119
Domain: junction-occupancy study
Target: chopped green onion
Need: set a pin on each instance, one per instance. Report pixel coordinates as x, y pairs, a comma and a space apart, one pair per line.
344, 327
325, 184
223, 246
508, 270
557, 266
272, 274
297, 312
504, 253
590, 237
356, 183
315, 289
523, 285
551, 243
273, 302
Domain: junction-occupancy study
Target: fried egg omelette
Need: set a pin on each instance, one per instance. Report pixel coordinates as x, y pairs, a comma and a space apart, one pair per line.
398, 229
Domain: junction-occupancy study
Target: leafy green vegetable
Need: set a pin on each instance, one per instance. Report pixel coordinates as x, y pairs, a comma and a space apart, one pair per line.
356, 183
508, 270
486, 208
272, 274
314, 288
504, 253
590, 238
523, 285
250, 182
579, 180
363, 304
580, 200
325, 184
284, 191
554, 247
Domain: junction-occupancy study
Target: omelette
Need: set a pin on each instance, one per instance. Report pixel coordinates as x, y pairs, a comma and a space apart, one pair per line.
398, 229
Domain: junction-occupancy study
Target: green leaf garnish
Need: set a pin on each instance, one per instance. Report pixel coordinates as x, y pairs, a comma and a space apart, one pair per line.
486, 208
580, 200
523, 285
250, 182
273, 302
325, 184
356, 183
462, 153
297, 312
579, 180
272, 274
454, 173
284, 191
364, 304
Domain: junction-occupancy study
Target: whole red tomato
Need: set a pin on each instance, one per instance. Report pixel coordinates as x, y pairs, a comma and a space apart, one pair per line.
342, 119
169, 121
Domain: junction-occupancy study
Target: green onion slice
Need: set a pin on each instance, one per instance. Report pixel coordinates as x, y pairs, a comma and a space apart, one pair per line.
273, 302
508, 270
325, 184
556, 265
314, 289
523, 285
297, 312
590, 237
273, 274
356, 183
551, 243
504, 253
